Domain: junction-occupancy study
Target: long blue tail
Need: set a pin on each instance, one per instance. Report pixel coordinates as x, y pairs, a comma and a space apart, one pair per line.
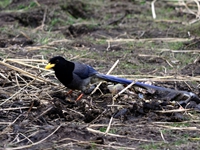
126, 81
190, 95
114, 79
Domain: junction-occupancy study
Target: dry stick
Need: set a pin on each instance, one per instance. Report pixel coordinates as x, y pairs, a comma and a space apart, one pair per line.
44, 18
90, 124
117, 135
153, 9
103, 125
44, 112
194, 138
117, 124
31, 66
19, 141
26, 73
24, 81
26, 138
25, 35
4, 77
171, 111
33, 48
79, 56
38, 4
82, 115
107, 49
17, 80
28, 60
97, 87
36, 143
114, 105
5, 123
198, 13
110, 122
151, 40
163, 136
189, 121
169, 63
20, 89
179, 51
9, 125
188, 9
188, 85
17, 137
109, 125
156, 56
20, 78
14, 94
89, 142
16, 108
166, 20
59, 41
122, 91
180, 128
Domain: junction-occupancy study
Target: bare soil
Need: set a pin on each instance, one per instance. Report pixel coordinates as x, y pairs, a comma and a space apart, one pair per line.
36, 113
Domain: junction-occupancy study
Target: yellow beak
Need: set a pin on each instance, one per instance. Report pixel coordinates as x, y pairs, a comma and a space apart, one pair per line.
49, 66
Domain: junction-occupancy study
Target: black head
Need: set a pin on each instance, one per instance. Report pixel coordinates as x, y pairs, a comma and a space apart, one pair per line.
57, 62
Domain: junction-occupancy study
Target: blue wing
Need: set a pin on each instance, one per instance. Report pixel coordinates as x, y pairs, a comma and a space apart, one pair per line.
83, 71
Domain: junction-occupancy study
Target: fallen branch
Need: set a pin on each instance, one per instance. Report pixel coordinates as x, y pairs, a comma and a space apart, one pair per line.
120, 136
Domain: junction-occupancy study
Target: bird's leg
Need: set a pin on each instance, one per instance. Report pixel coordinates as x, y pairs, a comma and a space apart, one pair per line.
80, 96
70, 92
87, 90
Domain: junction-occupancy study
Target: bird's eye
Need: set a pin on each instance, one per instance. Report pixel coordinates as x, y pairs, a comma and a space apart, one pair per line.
57, 61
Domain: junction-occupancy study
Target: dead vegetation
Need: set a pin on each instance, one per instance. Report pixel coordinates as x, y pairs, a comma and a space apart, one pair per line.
117, 37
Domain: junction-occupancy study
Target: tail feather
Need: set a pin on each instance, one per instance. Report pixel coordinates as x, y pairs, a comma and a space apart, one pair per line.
126, 81
191, 96
114, 79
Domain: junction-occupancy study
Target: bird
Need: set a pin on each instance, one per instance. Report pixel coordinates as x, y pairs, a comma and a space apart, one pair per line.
79, 76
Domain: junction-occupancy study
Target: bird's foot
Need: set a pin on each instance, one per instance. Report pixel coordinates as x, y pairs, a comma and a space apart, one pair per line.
69, 92
80, 96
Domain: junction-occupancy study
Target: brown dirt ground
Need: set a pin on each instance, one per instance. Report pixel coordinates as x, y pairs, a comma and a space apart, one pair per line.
37, 114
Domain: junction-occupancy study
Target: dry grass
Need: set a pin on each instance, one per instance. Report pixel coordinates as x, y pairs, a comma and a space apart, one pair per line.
26, 124
186, 6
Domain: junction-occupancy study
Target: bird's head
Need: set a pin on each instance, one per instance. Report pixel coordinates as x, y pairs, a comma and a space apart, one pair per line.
55, 62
